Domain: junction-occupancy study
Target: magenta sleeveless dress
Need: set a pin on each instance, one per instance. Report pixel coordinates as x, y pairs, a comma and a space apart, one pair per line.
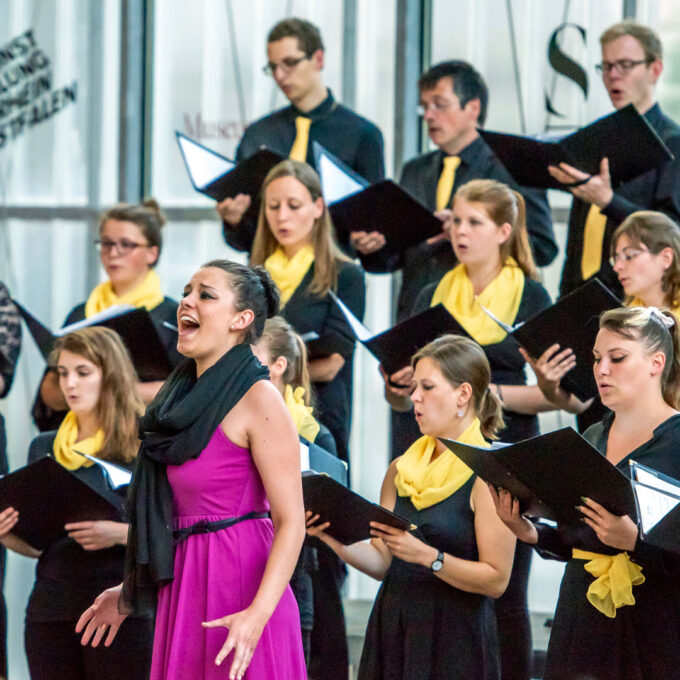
219, 573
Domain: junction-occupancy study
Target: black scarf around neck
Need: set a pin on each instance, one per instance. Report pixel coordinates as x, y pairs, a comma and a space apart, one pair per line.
177, 426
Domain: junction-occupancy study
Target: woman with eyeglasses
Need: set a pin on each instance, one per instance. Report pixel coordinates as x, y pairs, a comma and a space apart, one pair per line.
646, 258
645, 254
129, 246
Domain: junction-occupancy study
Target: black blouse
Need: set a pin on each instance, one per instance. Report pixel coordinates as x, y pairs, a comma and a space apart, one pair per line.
309, 313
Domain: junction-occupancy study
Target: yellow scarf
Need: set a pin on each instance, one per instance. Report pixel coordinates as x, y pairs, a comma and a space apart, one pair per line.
305, 424
636, 302
65, 443
615, 576
288, 274
148, 294
502, 297
428, 481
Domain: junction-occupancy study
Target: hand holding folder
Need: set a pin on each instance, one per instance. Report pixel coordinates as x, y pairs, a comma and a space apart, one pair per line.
549, 474
572, 322
356, 205
48, 496
217, 177
624, 137
350, 515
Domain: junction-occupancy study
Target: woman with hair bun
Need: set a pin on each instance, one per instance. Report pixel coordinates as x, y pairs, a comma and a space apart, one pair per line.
284, 353
618, 613
129, 244
216, 512
434, 614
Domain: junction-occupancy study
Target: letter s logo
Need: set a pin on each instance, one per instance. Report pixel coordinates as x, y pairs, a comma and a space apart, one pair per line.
565, 65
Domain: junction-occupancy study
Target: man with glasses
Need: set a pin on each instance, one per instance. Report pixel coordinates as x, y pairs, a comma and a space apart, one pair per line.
295, 59
453, 104
630, 68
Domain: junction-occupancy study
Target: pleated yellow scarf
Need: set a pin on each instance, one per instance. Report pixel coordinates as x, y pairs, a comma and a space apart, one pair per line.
305, 423
65, 443
637, 302
615, 576
148, 294
428, 481
502, 297
288, 274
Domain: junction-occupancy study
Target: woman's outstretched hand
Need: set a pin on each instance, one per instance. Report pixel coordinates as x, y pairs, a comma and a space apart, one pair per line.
245, 628
100, 617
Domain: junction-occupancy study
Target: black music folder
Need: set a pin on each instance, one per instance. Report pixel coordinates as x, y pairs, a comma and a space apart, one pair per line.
48, 496
356, 205
657, 498
571, 322
217, 177
550, 473
624, 137
133, 324
394, 347
349, 513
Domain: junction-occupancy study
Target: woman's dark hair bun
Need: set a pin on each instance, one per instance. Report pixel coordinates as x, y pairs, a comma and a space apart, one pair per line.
152, 205
271, 292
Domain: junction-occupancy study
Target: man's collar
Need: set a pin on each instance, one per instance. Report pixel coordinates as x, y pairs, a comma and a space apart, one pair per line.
320, 111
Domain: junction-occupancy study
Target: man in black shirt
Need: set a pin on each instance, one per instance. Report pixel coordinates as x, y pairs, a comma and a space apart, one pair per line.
631, 66
295, 59
453, 100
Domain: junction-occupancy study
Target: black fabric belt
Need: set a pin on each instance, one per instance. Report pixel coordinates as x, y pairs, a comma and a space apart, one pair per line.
205, 527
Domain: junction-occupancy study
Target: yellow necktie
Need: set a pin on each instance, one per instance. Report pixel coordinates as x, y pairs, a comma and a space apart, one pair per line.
593, 236
298, 152
446, 180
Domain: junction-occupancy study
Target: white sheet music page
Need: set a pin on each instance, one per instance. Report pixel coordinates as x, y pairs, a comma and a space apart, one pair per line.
204, 166
336, 184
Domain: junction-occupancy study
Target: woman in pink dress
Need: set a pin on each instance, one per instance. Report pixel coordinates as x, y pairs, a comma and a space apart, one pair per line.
219, 455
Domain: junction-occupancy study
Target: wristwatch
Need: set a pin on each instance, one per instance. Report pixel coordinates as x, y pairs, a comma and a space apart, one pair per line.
438, 563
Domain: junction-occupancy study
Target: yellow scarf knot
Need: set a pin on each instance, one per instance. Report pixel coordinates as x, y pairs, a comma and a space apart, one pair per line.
305, 423
147, 294
428, 481
288, 273
65, 443
615, 576
502, 297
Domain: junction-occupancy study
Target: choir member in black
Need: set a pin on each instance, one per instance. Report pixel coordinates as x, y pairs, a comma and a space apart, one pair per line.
454, 101
129, 245
645, 255
434, 617
283, 352
295, 59
631, 66
98, 383
496, 271
294, 242
608, 627
10, 344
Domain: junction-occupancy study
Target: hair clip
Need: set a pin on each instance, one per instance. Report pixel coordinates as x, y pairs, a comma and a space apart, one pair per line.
655, 312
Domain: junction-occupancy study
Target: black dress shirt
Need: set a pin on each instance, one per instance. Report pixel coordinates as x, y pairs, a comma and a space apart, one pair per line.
353, 139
